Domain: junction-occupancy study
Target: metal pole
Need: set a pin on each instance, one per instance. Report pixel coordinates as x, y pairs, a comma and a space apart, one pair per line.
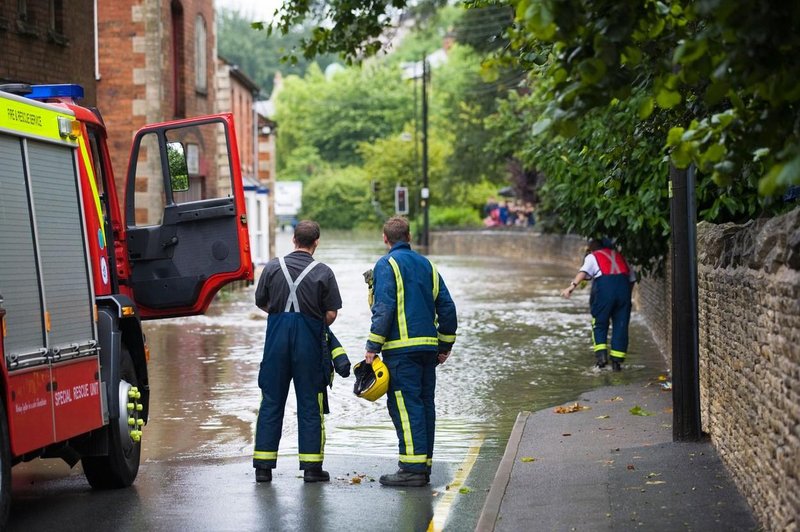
685, 346
425, 192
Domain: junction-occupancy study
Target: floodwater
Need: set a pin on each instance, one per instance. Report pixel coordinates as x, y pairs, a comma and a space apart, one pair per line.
520, 347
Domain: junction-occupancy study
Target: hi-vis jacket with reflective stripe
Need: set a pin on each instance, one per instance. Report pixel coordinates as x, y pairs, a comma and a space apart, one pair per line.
413, 310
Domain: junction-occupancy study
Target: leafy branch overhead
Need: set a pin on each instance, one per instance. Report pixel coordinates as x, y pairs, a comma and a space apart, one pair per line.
725, 69
353, 29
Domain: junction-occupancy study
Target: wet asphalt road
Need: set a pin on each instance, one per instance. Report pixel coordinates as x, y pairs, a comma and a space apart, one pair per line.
520, 347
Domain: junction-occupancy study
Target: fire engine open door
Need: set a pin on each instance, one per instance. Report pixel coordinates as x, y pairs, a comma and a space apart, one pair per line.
186, 222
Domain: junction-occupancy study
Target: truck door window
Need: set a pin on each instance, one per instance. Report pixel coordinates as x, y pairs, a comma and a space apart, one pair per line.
97, 163
150, 196
207, 164
197, 169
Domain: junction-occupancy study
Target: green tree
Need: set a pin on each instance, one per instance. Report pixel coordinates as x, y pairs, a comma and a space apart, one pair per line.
351, 28
339, 199
336, 114
258, 56
712, 81
727, 69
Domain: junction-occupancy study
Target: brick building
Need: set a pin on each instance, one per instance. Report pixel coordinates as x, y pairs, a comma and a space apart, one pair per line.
236, 94
48, 41
156, 63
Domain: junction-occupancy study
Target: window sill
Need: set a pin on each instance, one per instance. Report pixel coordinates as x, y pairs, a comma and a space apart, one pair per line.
57, 38
24, 28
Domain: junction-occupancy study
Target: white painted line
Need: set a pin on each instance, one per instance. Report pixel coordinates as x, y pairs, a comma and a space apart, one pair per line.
442, 509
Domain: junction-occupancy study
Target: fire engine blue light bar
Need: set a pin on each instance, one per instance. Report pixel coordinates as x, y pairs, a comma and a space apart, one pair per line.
44, 92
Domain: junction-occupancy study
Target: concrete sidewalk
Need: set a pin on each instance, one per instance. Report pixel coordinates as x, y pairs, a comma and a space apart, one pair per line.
604, 468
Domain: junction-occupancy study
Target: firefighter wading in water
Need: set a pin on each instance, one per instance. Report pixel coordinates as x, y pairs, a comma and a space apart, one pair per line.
610, 300
302, 298
414, 326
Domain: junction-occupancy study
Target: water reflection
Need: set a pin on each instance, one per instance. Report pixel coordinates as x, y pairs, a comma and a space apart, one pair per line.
520, 347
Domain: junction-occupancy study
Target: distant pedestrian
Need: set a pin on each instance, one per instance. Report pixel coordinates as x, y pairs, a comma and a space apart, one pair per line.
610, 300
302, 298
414, 326
491, 205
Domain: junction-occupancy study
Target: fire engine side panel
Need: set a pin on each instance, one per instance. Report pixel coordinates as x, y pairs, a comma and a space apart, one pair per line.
30, 409
69, 299
76, 397
19, 284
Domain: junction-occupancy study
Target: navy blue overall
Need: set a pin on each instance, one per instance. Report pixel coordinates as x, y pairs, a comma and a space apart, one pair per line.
410, 401
610, 303
413, 320
293, 351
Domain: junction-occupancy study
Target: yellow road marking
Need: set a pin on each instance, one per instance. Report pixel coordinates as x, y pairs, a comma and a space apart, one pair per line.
442, 509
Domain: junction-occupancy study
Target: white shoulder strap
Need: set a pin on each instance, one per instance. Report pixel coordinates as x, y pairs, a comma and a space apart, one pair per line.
292, 304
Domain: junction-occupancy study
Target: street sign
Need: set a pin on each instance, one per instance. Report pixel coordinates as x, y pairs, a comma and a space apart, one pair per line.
401, 200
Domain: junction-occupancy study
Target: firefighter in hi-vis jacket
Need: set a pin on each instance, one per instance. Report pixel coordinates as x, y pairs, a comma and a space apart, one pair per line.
414, 326
610, 300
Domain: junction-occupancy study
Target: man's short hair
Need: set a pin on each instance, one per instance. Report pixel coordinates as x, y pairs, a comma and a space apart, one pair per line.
306, 233
396, 230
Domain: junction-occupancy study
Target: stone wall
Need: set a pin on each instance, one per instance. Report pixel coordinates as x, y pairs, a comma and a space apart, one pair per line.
519, 244
653, 300
749, 310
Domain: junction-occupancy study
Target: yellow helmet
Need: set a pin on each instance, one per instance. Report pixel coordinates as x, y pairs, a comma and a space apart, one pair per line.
372, 380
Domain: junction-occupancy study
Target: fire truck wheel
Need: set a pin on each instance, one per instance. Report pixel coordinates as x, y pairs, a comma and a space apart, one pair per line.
5, 466
119, 468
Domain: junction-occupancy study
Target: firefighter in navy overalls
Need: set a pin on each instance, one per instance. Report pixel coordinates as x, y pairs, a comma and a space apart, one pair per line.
610, 300
302, 298
414, 326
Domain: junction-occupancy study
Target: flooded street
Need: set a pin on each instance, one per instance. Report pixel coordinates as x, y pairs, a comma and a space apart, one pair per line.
520, 347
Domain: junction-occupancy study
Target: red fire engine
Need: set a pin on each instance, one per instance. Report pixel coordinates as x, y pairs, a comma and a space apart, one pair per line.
77, 277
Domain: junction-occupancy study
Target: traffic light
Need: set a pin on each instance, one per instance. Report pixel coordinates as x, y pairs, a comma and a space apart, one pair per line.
401, 200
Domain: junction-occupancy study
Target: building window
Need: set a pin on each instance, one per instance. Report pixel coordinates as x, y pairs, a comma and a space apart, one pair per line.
200, 63
57, 16
26, 23
56, 30
22, 10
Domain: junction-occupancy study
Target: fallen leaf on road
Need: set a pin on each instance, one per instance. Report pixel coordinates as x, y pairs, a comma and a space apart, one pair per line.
355, 480
569, 409
605, 428
631, 467
566, 434
617, 398
465, 490
651, 475
639, 411
603, 417
527, 459
653, 482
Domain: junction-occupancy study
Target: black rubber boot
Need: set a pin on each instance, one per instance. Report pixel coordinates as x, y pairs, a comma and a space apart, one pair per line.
316, 475
601, 358
263, 475
616, 365
408, 479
